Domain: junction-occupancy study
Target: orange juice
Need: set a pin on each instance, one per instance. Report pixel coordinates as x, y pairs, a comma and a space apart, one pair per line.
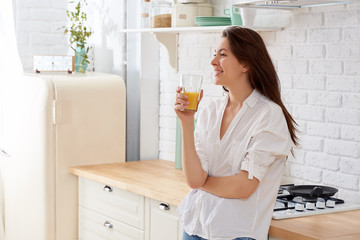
193, 98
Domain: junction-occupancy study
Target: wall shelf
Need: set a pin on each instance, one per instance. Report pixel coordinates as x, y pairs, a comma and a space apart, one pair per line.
195, 29
168, 37
287, 4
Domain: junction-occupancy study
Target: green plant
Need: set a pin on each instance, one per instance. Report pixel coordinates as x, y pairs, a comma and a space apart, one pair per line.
78, 31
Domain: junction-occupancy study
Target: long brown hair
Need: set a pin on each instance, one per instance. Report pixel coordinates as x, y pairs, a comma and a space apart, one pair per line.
249, 48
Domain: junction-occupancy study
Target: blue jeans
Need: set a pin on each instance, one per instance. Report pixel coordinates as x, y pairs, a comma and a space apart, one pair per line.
194, 237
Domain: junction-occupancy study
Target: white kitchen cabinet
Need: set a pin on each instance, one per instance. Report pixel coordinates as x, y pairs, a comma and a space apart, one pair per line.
162, 221
96, 226
108, 213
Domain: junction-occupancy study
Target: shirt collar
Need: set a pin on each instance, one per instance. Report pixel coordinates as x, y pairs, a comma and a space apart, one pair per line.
253, 98
250, 100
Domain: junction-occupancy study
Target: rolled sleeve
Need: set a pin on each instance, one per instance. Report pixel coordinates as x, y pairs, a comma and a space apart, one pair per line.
252, 166
271, 141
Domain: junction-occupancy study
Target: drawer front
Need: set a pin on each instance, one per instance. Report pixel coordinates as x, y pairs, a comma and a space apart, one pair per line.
164, 221
120, 205
94, 226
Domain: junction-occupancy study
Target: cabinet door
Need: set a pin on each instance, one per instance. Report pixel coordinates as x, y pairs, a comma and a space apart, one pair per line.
163, 221
95, 226
121, 205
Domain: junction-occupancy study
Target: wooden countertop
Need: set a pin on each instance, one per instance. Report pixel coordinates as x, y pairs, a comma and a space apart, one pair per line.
159, 180
156, 179
339, 226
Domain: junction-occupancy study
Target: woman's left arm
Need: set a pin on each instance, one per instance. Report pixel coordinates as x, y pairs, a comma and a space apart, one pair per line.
236, 186
272, 139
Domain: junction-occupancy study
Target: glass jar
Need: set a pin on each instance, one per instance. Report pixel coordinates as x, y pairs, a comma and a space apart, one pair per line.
145, 15
160, 14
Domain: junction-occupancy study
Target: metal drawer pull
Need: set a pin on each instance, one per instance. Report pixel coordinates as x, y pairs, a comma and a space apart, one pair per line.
108, 188
108, 224
164, 206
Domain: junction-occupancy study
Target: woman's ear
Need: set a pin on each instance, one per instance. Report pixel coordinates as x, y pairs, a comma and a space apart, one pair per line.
245, 68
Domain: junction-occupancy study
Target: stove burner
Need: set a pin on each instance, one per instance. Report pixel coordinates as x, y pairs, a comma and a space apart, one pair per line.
309, 199
286, 201
290, 206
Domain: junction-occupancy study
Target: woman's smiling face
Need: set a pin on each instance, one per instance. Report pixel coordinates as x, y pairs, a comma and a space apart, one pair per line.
227, 68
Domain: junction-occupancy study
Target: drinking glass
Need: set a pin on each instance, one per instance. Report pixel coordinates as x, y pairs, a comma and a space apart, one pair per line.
191, 85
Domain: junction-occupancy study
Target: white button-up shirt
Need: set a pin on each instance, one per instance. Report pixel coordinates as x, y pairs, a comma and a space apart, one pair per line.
257, 141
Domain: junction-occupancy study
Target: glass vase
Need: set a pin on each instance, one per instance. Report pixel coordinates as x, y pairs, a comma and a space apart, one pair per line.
80, 63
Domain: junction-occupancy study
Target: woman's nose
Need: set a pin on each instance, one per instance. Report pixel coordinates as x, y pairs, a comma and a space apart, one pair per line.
214, 61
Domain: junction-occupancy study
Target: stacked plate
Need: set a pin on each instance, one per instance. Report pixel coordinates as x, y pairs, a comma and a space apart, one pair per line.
212, 21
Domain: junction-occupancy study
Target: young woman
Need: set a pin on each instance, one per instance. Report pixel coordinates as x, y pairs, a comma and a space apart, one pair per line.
235, 158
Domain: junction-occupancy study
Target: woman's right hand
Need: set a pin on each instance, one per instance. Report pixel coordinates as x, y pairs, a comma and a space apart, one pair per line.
181, 103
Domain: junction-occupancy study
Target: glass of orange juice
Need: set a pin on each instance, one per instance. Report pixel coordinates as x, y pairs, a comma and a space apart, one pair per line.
191, 85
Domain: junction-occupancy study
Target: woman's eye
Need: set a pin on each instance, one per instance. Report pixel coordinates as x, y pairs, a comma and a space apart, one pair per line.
221, 55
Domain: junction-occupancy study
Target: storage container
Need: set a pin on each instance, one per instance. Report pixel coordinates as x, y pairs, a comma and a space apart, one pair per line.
183, 15
145, 16
160, 14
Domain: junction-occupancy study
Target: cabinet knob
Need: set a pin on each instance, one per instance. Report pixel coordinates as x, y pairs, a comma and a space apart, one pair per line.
108, 224
3, 153
164, 206
108, 189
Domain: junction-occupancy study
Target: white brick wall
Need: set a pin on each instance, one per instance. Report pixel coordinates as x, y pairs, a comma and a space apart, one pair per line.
318, 61
36, 27
37, 23
317, 57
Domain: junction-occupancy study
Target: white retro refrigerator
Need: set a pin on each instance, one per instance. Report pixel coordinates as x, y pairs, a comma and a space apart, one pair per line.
52, 122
